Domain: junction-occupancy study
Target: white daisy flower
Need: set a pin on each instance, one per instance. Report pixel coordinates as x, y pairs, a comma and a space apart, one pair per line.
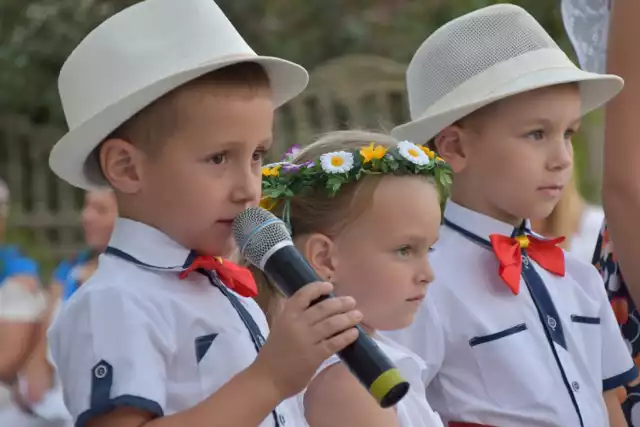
337, 162
413, 153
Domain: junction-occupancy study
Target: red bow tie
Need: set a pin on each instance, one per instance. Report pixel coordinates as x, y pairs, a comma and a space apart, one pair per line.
237, 278
509, 253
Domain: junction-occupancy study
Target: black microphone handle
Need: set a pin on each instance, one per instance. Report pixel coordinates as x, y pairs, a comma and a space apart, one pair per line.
291, 271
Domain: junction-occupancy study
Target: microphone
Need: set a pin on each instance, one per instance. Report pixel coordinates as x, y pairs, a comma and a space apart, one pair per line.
265, 242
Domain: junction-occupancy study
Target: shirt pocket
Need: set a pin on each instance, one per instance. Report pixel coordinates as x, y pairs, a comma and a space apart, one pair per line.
219, 357
587, 333
512, 367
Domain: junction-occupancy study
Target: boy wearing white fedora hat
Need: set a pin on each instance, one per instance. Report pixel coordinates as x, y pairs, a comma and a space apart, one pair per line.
514, 331
168, 105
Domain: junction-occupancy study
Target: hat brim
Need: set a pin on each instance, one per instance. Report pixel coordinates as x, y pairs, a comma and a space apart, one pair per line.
69, 157
595, 91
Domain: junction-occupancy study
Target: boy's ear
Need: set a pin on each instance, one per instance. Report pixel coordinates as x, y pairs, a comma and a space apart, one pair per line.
318, 249
450, 145
121, 165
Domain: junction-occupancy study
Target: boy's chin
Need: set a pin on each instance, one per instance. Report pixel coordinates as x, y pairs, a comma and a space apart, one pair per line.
225, 249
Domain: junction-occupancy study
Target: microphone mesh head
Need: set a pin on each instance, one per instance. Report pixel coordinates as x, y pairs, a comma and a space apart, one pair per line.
256, 231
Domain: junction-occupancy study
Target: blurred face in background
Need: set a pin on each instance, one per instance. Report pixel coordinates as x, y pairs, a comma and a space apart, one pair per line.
98, 218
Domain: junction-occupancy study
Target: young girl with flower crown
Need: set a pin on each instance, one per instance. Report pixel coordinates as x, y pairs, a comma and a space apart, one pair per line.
364, 210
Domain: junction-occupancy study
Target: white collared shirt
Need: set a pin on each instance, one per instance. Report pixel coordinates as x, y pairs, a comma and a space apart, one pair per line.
489, 358
135, 334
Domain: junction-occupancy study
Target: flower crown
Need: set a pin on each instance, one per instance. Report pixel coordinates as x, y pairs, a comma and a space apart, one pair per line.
283, 180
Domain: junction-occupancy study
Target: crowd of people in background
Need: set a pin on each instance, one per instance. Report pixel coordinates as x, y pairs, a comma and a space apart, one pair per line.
27, 308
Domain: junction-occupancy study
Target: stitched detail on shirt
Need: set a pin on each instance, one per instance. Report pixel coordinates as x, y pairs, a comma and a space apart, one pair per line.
203, 344
585, 319
498, 335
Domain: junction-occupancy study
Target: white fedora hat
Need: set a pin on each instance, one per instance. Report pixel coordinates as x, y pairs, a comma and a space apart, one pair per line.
485, 56
139, 55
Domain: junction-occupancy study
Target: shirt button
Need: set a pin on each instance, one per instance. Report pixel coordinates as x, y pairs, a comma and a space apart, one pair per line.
282, 420
101, 371
575, 386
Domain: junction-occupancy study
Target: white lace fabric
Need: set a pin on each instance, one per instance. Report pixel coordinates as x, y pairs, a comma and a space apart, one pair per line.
587, 24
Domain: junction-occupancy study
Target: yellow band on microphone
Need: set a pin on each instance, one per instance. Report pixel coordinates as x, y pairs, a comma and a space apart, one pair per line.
385, 383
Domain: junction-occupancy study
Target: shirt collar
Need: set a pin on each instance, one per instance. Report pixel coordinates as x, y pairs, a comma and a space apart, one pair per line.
148, 245
477, 223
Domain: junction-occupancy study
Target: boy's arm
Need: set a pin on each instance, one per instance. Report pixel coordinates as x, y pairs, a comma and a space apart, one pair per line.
247, 400
616, 416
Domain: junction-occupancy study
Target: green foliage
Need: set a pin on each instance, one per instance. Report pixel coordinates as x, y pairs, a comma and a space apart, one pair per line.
37, 35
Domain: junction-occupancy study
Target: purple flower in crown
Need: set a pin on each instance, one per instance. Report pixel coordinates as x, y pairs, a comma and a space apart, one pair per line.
291, 153
292, 168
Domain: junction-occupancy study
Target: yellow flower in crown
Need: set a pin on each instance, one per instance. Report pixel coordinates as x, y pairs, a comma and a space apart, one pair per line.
372, 153
271, 170
427, 151
413, 153
336, 162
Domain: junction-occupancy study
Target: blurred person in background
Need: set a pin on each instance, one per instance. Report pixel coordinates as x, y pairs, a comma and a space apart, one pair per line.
602, 33
98, 218
40, 392
22, 305
575, 219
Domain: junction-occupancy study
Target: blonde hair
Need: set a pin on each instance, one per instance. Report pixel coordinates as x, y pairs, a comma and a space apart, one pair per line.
315, 211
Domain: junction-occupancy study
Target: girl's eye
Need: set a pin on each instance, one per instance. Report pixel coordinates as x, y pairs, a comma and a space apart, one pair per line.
404, 251
536, 135
258, 155
569, 134
432, 250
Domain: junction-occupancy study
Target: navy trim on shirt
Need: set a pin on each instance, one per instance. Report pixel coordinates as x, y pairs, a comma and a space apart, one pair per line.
254, 330
620, 380
541, 300
126, 400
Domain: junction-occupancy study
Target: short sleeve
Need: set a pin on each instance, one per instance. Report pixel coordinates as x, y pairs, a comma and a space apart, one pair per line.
618, 368
425, 338
111, 350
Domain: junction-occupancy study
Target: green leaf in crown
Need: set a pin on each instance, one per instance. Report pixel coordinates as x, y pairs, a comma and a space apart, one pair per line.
283, 180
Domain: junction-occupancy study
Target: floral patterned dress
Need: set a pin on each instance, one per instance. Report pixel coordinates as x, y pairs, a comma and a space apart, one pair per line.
626, 313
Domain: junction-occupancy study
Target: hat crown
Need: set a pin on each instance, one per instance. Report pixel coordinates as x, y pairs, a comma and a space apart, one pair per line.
141, 45
468, 46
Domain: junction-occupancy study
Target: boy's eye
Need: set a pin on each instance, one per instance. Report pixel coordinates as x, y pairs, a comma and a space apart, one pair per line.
218, 159
404, 251
569, 133
432, 250
536, 134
